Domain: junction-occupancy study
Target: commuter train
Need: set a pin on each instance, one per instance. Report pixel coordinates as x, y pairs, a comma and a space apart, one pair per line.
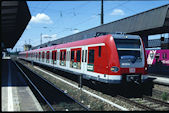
155, 57
111, 58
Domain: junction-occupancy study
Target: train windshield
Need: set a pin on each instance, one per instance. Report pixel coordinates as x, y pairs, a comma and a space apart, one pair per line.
129, 49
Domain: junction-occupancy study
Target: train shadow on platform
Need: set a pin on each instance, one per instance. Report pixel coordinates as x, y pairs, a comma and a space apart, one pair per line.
11, 75
159, 69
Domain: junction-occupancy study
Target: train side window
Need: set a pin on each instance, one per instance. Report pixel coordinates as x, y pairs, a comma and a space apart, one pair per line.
64, 55
39, 55
61, 55
47, 55
85, 55
99, 51
82, 55
72, 55
68, 56
78, 55
43, 54
91, 56
58, 55
53, 55
164, 55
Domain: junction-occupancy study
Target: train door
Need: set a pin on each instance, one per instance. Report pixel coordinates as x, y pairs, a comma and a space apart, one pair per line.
75, 60
54, 57
50, 56
39, 56
45, 56
84, 59
58, 57
68, 58
62, 57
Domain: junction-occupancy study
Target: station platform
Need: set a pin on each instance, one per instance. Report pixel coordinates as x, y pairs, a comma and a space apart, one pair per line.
15, 93
159, 79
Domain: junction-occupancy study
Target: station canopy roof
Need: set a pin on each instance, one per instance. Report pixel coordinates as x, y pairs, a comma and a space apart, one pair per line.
151, 22
15, 16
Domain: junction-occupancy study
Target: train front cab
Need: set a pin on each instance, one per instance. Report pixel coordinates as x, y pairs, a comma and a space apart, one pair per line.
130, 62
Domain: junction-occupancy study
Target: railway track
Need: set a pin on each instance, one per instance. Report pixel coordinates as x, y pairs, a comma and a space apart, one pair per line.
146, 103
51, 97
158, 92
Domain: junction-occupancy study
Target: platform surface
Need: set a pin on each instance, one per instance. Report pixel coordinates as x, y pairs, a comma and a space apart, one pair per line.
160, 80
15, 93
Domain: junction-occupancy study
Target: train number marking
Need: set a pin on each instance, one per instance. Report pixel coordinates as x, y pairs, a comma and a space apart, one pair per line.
132, 70
90, 67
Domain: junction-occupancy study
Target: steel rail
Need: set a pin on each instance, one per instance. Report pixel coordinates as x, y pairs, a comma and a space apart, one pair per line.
92, 94
135, 103
35, 87
60, 90
156, 101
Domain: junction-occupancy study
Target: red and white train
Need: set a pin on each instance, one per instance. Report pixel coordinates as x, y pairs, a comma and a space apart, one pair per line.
112, 58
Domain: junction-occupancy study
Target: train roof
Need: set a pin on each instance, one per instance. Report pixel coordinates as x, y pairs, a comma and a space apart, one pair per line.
94, 40
122, 36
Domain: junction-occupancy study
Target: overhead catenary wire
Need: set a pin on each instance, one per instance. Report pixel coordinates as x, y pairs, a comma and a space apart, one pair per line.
90, 18
43, 10
79, 6
65, 11
83, 21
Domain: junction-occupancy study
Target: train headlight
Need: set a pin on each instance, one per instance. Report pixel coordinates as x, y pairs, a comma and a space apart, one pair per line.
114, 69
145, 68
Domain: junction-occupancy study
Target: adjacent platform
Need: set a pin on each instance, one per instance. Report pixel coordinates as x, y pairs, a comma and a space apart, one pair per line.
160, 80
15, 93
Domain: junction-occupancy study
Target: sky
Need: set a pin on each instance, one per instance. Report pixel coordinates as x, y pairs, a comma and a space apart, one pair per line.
52, 20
